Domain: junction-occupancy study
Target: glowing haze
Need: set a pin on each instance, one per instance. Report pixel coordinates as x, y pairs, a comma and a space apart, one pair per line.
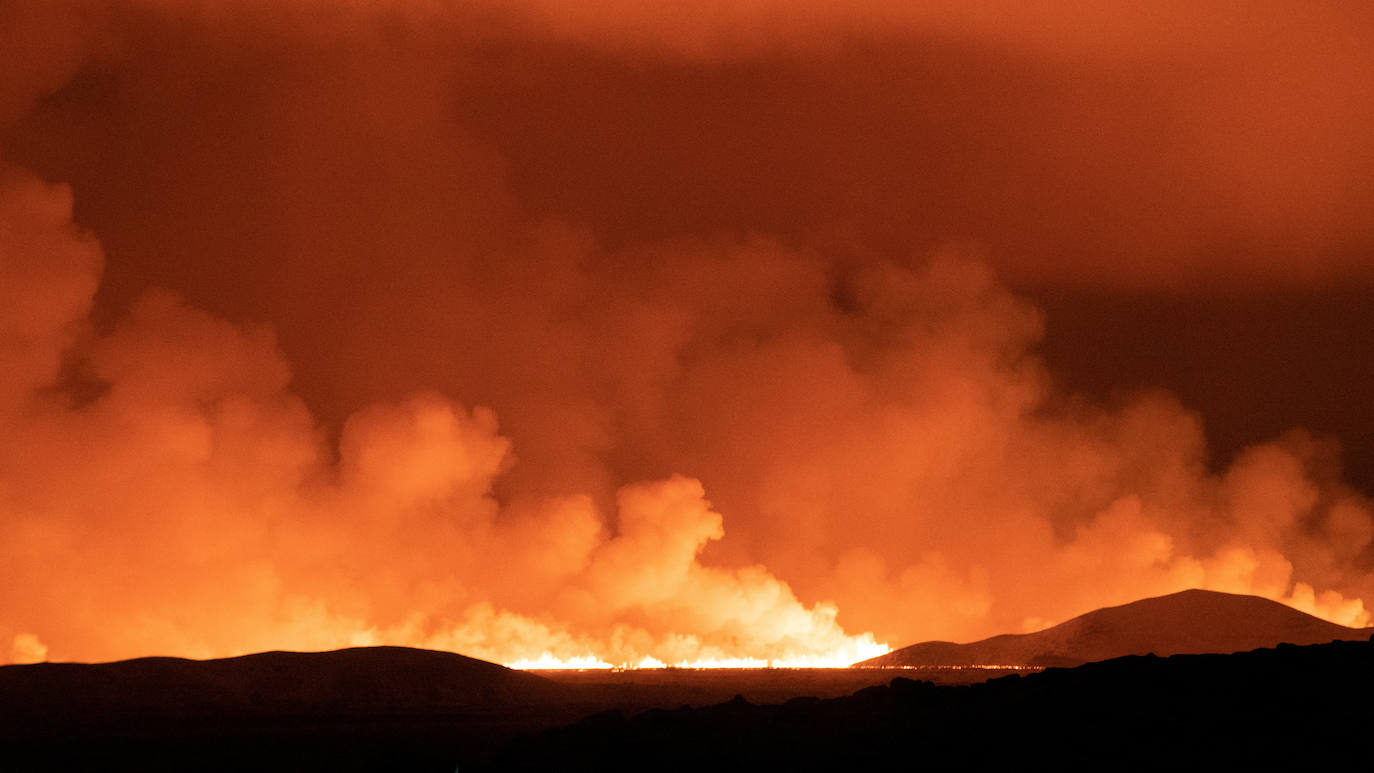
557, 333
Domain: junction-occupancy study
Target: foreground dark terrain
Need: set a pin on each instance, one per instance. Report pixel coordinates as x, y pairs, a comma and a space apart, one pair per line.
356, 709
399, 709
1292, 707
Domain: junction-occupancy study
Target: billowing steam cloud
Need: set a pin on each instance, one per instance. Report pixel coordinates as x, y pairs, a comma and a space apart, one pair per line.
346, 382
190, 507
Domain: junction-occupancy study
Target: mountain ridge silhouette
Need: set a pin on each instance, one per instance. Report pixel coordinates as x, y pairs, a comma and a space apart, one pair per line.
356, 679
1187, 622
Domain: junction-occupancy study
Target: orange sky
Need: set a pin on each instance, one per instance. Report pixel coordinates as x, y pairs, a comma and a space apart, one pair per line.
700, 330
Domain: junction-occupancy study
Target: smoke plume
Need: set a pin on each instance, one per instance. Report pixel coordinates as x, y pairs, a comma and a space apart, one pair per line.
323, 324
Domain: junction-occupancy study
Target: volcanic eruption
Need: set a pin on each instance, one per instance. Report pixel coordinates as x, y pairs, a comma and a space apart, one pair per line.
606, 336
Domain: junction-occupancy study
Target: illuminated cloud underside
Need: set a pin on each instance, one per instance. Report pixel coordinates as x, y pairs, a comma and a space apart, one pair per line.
709, 448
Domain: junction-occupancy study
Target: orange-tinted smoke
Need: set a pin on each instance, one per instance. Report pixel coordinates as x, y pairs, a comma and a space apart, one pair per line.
261, 430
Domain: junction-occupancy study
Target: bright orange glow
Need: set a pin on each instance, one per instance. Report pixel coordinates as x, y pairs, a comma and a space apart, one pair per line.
547, 661
626, 334
861, 649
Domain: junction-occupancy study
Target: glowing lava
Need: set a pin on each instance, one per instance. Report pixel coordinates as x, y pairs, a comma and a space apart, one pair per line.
860, 649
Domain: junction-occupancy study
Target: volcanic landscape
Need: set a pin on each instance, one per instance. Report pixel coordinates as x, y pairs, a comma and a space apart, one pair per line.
400, 708
682, 384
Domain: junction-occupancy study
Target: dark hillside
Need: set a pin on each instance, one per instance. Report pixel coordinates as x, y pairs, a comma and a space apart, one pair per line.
1295, 708
353, 709
1192, 621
